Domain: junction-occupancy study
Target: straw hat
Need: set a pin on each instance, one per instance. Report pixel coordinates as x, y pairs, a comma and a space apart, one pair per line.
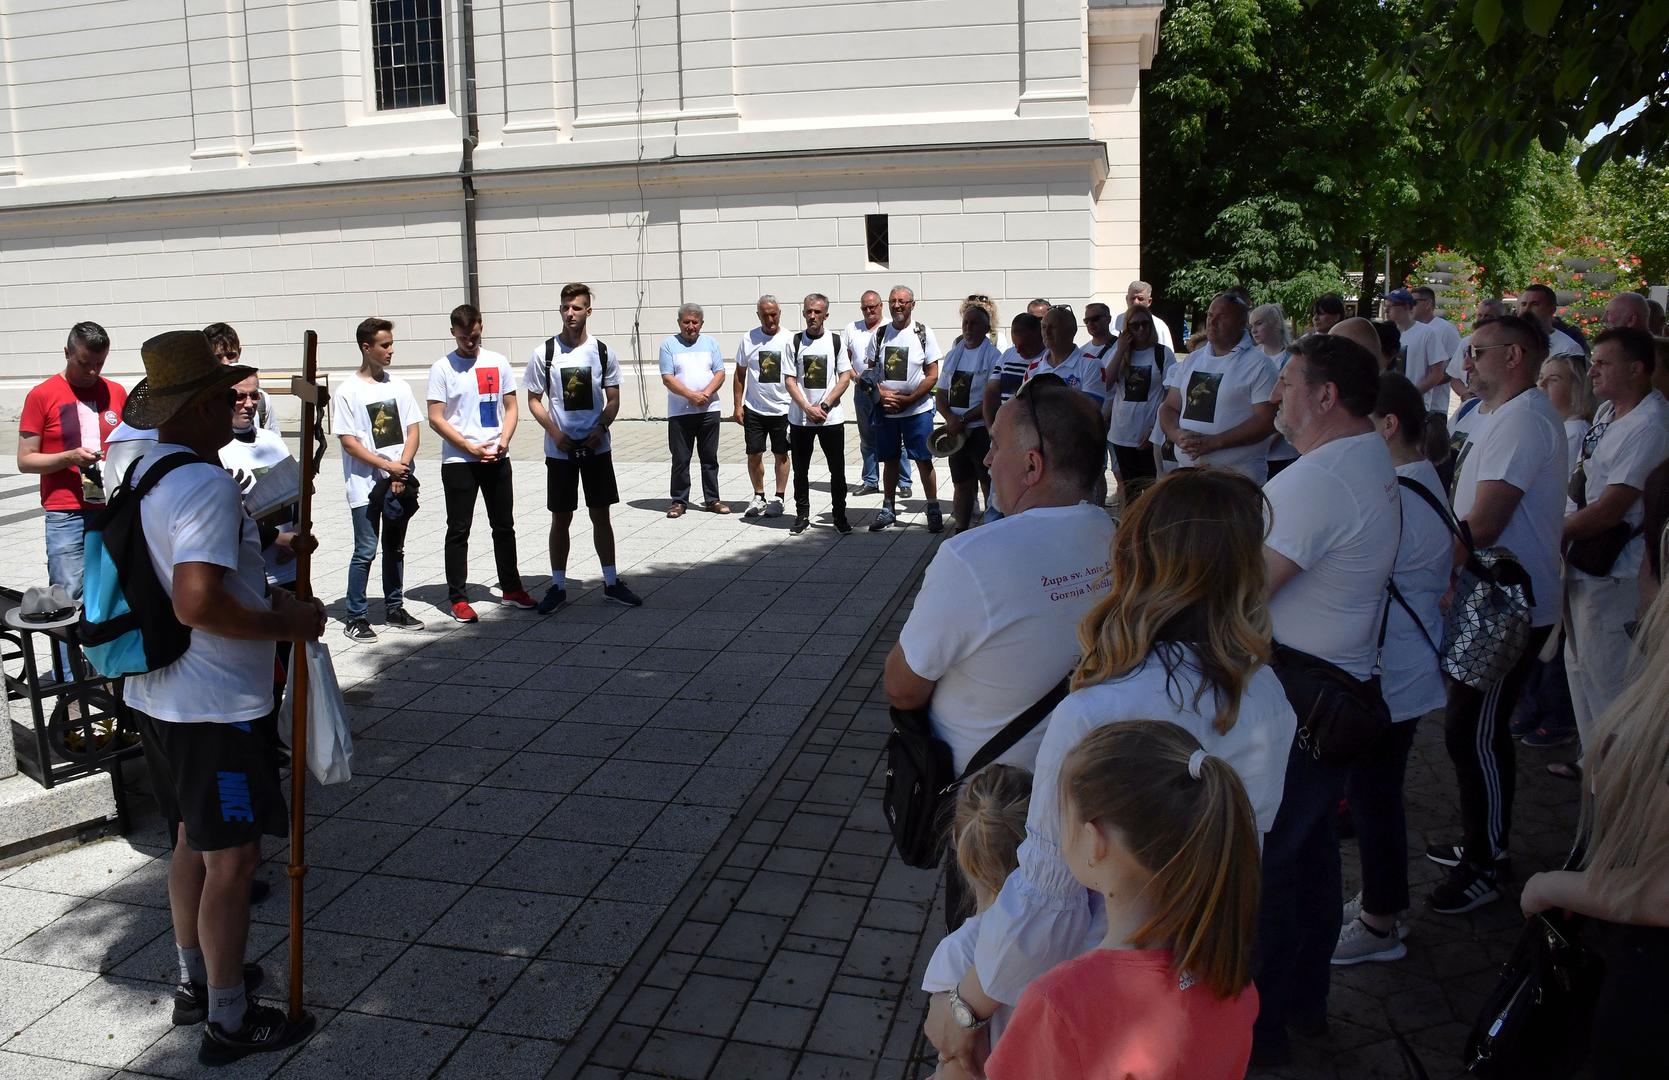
943, 444
180, 370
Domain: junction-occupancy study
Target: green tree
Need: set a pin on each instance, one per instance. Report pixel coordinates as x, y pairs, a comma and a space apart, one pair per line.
1630, 200
1501, 77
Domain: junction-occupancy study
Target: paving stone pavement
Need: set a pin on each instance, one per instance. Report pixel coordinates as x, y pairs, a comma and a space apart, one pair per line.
629, 843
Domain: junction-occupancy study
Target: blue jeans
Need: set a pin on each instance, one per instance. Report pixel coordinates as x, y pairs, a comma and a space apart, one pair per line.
367, 526
66, 539
1300, 913
865, 408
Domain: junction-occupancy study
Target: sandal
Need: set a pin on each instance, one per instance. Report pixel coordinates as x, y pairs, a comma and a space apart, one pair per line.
1566, 771
676, 510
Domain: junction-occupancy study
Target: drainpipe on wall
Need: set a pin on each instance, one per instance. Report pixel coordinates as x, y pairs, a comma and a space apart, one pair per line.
466, 167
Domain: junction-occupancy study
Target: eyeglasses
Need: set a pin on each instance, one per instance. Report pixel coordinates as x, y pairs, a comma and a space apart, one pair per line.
1472, 351
1060, 307
239, 395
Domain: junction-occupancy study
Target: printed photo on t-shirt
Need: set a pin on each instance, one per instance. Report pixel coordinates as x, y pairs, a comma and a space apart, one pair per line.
1138, 382
896, 365
385, 423
486, 385
961, 387
1200, 403
770, 367
576, 390
816, 372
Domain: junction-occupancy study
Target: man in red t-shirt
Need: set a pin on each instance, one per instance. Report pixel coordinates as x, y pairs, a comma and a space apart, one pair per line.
66, 423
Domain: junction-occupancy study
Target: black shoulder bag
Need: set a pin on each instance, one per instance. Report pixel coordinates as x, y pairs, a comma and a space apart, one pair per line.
1535, 1024
1596, 555
922, 781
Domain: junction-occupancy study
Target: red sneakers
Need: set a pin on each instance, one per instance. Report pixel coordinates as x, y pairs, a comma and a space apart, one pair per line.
519, 599
464, 613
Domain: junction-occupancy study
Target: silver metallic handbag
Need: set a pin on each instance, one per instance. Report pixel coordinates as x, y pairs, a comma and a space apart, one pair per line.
1487, 627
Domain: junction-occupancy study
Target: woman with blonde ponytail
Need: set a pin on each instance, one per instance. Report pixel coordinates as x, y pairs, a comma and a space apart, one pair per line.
1181, 635
1164, 832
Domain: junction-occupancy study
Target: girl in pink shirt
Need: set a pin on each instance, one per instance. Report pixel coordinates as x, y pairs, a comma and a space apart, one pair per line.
1165, 832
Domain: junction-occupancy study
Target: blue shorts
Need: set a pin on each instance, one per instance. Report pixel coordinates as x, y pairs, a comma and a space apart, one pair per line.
907, 432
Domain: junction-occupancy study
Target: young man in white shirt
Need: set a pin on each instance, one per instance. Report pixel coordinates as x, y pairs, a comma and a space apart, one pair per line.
857, 338
1332, 541
692, 370
963, 375
816, 374
228, 348
1425, 359
215, 778
375, 419
907, 357
1510, 481
760, 404
1217, 409
1425, 313
573, 391
1539, 304
472, 407
1630, 438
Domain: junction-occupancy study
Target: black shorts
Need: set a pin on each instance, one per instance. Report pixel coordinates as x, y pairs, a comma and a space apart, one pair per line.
563, 477
756, 426
219, 780
968, 464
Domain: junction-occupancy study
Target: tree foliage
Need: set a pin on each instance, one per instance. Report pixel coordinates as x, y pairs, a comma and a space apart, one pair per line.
1500, 77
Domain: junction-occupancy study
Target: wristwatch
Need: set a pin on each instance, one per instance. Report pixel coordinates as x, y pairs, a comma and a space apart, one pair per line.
962, 1013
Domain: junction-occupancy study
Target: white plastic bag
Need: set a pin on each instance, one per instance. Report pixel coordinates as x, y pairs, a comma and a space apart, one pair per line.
330, 744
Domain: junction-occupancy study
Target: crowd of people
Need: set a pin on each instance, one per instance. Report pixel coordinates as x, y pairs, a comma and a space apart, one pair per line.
1294, 516
1151, 874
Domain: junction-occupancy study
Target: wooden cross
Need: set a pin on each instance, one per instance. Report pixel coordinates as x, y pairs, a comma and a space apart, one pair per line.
314, 399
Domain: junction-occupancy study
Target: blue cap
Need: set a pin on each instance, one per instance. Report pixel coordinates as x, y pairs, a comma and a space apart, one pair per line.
1400, 296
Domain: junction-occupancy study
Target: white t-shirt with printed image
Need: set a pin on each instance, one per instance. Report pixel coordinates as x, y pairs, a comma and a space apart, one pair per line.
903, 361
963, 374
1627, 452
764, 356
248, 462
1523, 444
580, 394
1082, 371
473, 393
1219, 393
857, 338
1335, 513
195, 514
1137, 395
817, 366
694, 366
377, 414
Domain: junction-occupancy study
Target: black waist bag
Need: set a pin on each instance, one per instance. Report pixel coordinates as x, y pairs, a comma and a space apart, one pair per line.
1339, 716
922, 781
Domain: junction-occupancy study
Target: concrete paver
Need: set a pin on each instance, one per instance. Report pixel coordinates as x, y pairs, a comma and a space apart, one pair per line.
630, 843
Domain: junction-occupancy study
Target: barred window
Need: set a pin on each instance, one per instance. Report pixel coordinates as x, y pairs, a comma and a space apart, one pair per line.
408, 53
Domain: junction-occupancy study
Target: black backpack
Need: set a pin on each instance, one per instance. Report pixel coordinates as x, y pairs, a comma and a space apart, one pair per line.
127, 622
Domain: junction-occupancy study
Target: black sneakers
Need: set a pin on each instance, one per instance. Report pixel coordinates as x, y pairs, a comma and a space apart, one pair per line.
265, 1029
802, 522
554, 598
1454, 854
622, 595
935, 518
1465, 889
191, 1000
359, 630
841, 525
401, 619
